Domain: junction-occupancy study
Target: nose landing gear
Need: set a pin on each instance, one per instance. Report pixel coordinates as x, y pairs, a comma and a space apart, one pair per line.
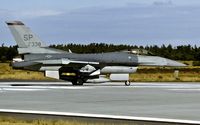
127, 83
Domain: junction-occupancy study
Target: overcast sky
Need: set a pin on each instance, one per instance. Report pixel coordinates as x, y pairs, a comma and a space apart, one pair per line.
135, 22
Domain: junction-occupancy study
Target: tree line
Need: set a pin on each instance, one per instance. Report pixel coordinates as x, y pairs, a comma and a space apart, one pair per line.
7, 53
183, 52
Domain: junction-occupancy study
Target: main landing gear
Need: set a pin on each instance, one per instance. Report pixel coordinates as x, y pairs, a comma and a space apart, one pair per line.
78, 82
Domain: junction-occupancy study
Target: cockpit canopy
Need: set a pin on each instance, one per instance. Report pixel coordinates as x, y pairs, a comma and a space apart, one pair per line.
138, 52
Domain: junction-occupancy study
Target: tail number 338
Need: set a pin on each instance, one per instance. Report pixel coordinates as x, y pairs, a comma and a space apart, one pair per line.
34, 44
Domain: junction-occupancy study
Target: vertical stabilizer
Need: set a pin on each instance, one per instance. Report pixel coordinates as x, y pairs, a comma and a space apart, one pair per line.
26, 40
24, 37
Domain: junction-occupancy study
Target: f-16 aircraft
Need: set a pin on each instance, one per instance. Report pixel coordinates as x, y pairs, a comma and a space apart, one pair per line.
73, 67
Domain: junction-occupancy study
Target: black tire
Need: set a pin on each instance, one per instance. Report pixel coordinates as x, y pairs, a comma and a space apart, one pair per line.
74, 82
78, 82
127, 83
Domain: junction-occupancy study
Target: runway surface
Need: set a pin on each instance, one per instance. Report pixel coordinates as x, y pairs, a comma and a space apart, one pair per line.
157, 100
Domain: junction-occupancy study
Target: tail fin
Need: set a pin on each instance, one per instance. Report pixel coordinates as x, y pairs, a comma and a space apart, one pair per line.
26, 40
24, 37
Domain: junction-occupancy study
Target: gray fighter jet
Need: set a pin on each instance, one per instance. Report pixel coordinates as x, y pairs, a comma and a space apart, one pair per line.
73, 67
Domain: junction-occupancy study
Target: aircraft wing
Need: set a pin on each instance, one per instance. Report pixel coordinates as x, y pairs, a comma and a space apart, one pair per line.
65, 62
52, 71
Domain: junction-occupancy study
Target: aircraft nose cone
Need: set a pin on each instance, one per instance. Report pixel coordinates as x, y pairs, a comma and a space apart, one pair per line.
174, 63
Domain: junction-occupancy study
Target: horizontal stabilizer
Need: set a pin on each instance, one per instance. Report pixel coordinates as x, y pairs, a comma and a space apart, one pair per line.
52, 74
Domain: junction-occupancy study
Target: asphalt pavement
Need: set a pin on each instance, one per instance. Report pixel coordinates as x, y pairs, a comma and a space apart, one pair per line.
155, 100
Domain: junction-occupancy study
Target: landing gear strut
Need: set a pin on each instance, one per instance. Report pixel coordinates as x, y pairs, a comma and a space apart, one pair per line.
127, 83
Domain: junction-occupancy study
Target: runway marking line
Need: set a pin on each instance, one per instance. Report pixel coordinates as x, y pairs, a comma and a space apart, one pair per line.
18, 89
184, 90
38, 88
150, 119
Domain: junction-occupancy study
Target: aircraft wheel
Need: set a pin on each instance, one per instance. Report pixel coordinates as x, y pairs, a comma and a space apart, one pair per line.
74, 82
77, 82
127, 83
80, 82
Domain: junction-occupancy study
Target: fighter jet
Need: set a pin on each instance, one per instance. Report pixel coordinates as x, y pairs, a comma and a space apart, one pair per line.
73, 67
